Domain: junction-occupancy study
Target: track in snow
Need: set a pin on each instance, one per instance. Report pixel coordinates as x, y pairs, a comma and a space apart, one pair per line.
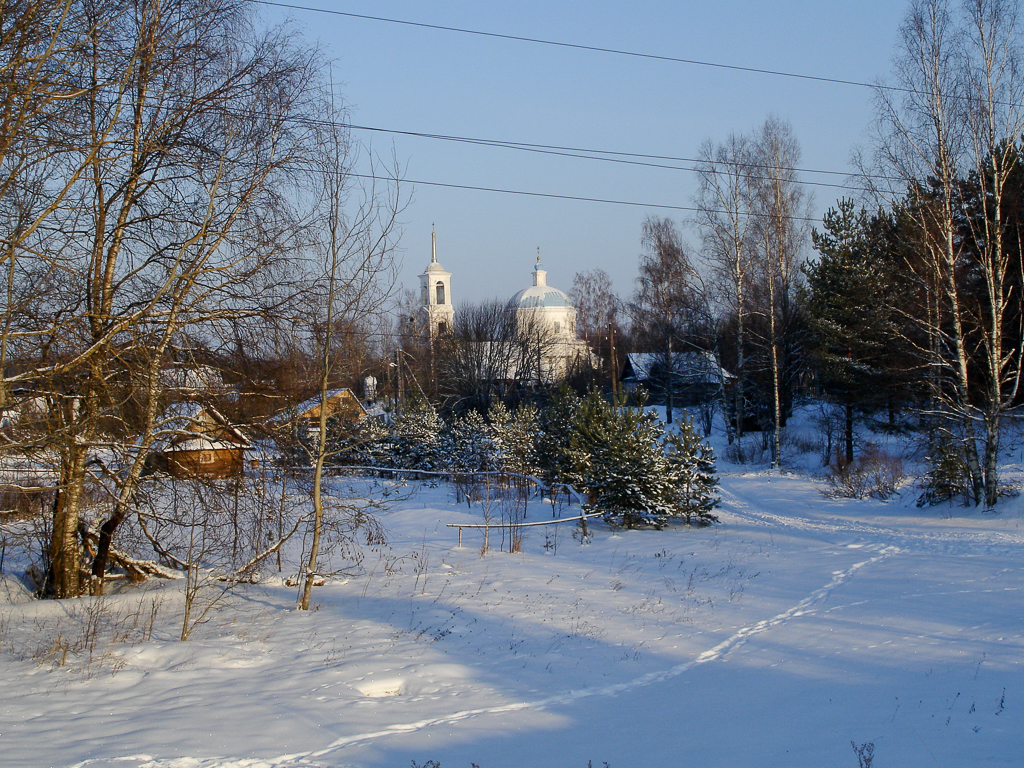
311, 758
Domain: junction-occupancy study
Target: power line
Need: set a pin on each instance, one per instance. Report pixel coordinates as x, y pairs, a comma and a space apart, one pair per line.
553, 196
672, 158
577, 46
624, 157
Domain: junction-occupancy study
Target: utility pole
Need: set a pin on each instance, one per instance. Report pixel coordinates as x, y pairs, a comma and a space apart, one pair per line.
670, 383
615, 367
401, 384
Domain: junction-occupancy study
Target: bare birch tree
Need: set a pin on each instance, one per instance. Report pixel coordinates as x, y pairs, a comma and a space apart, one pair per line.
782, 233
181, 155
357, 246
669, 308
995, 123
725, 199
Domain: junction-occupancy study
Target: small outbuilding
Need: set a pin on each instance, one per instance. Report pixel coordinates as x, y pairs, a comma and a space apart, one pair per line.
201, 443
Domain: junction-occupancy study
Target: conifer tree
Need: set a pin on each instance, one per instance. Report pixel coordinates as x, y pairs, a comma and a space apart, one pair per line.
467, 444
632, 471
513, 435
694, 481
848, 301
555, 426
415, 438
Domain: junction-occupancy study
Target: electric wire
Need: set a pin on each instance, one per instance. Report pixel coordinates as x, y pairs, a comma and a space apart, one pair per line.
576, 198
577, 46
584, 154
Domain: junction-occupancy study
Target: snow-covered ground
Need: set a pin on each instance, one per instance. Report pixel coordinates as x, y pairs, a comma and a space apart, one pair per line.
794, 627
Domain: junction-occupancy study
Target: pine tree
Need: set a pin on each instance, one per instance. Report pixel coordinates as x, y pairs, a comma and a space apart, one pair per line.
851, 330
633, 472
514, 437
467, 444
415, 438
555, 426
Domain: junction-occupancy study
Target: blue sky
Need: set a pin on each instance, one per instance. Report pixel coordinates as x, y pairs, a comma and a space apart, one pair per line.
421, 80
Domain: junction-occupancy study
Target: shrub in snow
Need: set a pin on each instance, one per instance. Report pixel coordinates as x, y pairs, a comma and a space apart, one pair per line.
875, 474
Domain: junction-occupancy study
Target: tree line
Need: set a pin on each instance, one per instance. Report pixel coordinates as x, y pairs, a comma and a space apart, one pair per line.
905, 300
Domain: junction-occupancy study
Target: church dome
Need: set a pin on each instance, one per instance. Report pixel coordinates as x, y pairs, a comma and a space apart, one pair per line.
540, 296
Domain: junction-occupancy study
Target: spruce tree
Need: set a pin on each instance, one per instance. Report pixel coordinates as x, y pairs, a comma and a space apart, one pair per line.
514, 435
467, 444
694, 480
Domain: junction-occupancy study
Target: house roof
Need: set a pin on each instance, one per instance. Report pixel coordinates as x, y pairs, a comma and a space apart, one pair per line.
694, 367
194, 426
304, 409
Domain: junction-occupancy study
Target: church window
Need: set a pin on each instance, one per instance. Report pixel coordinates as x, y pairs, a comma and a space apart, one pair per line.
442, 329
440, 292
558, 327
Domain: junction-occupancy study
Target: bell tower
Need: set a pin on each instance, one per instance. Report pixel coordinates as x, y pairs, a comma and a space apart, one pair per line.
436, 294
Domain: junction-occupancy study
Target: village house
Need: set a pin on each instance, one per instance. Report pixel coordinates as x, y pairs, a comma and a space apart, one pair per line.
200, 442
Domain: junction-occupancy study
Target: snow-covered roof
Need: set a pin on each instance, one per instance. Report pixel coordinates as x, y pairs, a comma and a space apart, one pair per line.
538, 296
693, 367
303, 409
199, 427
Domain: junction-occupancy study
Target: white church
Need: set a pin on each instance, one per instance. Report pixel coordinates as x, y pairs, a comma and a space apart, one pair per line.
542, 311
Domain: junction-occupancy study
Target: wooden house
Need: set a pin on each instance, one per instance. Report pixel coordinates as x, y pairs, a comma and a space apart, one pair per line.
341, 404
692, 377
200, 442
302, 422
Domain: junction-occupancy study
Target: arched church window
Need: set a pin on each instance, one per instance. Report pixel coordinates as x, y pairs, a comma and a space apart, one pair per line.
440, 292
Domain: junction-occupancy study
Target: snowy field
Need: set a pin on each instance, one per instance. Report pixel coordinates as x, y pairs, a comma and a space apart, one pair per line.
794, 627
